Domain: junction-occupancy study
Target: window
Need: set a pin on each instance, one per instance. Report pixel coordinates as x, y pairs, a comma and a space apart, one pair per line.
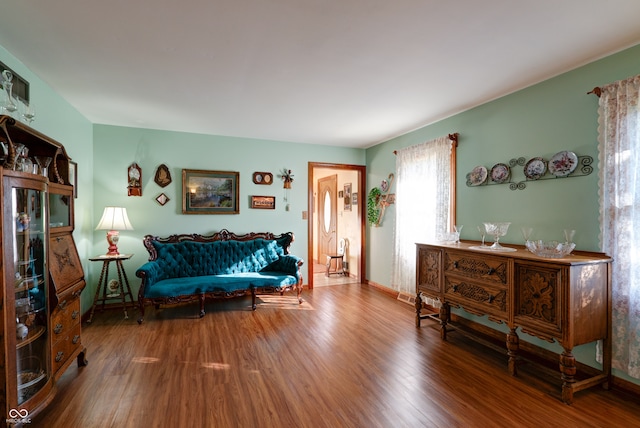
425, 203
619, 147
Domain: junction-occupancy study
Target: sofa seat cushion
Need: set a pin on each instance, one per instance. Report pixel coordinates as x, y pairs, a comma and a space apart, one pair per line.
184, 286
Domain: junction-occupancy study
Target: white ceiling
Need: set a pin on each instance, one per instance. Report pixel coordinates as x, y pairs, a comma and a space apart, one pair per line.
337, 72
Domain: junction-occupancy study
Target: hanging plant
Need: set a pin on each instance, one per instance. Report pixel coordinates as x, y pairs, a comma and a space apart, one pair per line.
373, 213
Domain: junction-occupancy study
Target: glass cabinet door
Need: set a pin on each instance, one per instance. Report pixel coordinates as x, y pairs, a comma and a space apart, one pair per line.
29, 276
60, 208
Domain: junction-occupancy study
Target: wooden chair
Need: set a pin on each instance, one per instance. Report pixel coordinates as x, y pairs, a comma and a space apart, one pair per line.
339, 258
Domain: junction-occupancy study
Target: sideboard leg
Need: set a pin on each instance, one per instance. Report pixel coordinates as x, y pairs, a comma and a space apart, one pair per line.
568, 370
445, 313
513, 346
418, 307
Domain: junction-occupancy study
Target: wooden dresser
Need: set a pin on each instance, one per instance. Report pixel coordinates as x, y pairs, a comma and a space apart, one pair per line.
566, 300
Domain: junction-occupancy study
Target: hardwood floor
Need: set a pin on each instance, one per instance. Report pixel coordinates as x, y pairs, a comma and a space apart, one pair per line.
349, 356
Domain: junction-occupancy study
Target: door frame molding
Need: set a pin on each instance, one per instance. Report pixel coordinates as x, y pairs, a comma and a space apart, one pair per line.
362, 218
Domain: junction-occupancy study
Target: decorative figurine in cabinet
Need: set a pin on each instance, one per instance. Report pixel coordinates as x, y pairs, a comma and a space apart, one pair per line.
38, 343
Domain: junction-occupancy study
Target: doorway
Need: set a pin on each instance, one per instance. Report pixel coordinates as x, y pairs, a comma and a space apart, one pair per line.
336, 207
327, 196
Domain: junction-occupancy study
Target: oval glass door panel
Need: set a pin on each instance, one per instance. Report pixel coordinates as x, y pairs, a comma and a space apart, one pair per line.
327, 211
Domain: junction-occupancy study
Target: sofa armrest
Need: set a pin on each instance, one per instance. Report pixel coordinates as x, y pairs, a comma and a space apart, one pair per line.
288, 264
150, 272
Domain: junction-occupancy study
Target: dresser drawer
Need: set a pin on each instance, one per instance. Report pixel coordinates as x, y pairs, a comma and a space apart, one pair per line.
65, 347
476, 297
65, 316
477, 266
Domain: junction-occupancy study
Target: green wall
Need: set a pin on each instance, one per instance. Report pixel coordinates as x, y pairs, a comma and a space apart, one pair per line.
117, 147
541, 120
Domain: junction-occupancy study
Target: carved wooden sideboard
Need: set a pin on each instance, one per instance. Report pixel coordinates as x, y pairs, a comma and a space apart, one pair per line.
566, 299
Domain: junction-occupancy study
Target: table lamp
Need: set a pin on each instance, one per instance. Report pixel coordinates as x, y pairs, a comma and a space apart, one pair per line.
113, 220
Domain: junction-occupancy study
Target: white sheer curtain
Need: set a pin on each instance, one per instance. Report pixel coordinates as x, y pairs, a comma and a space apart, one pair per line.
619, 153
423, 187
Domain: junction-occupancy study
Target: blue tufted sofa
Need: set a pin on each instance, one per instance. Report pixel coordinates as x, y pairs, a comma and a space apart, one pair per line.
183, 268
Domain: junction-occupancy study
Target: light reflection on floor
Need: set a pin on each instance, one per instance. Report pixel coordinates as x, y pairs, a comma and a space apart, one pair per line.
320, 279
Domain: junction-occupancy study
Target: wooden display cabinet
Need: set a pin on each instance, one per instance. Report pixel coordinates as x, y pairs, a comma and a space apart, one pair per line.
567, 300
39, 307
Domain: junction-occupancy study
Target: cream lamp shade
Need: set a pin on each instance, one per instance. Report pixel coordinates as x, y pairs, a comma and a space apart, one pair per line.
113, 220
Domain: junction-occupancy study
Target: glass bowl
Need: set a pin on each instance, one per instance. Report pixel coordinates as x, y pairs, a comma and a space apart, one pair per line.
550, 249
497, 230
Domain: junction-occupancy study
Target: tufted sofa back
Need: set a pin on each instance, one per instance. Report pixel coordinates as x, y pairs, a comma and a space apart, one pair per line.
189, 258
218, 254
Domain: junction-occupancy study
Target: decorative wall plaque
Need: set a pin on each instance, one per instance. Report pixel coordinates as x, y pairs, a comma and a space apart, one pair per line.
134, 177
162, 199
163, 176
262, 177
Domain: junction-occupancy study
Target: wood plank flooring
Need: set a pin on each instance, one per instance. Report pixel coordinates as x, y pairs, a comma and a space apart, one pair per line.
349, 356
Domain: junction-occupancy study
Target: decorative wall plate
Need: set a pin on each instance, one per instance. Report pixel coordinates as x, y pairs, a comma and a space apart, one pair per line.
113, 286
535, 168
563, 163
500, 173
262, 177
478, 175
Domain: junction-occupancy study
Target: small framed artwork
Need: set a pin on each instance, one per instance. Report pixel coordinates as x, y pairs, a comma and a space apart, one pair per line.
73, 177
162, 199
354, 199
210, 192
347, 196
262, 177
263, 202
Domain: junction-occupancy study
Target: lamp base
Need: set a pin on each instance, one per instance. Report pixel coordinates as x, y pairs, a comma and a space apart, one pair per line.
113, 236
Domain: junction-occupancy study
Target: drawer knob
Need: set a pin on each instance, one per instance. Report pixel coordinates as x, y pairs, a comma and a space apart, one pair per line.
57, 329
491, 271
492, 298
63, 304
75, 339
455, 288
59, 356
75, 314
455, 264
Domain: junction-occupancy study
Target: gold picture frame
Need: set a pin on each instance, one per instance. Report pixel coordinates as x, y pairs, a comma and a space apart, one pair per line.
210, 192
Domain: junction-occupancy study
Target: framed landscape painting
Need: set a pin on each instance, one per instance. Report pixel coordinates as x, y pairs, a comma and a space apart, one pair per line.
210, 192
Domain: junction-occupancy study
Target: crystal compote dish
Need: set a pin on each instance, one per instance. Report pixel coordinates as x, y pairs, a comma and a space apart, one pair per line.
550, 249
497, 230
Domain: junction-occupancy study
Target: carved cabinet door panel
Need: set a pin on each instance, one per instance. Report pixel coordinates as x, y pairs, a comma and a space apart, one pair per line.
428, 272
64, 263
539, 296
